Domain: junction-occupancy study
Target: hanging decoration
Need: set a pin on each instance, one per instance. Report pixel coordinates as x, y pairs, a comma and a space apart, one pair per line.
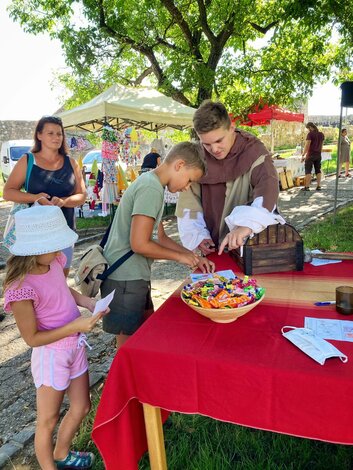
110, 151
134, 135
126, 146
122, 181
79, 162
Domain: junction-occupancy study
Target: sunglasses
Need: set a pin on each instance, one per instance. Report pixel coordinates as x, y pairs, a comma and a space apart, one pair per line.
52, 119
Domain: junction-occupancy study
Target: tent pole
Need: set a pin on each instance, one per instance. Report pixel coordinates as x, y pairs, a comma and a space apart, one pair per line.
272, 137
338, 164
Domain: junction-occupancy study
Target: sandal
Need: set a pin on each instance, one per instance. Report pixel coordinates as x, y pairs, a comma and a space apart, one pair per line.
305, 189
318, 188
74, 459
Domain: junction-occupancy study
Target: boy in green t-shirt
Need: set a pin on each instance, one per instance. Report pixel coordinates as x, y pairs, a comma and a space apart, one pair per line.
138, 217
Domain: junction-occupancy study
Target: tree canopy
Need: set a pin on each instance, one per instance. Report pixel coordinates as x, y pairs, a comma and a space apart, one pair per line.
236, 50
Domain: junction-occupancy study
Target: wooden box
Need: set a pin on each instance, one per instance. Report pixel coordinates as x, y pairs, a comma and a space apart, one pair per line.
300, 180
277, 248
283, 180
289, 178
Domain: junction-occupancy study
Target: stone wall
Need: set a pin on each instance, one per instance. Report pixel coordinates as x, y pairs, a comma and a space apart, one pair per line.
13, 130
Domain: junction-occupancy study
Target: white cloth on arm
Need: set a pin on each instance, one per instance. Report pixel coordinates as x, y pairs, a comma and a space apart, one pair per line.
255, 216
192, 231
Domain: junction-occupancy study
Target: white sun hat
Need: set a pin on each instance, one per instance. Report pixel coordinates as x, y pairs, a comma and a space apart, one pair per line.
40, 230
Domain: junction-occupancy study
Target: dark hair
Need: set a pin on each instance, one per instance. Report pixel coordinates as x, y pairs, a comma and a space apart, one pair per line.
37, 147
344, 129
211, 115
191, 152
312, 125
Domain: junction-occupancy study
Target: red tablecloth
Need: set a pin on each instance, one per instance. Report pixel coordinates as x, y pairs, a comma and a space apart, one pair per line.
243, 372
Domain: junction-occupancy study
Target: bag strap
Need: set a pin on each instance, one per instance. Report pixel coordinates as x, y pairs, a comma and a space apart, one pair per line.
30, 161
105, 236
115, 266
118, 262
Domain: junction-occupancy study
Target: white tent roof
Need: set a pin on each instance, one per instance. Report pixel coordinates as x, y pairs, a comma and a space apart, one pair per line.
121, 106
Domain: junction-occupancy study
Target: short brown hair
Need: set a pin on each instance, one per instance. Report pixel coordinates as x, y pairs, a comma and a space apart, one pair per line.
211, 115
190, 152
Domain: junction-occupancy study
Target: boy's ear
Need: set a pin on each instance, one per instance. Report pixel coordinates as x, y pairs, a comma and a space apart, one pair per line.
179, 164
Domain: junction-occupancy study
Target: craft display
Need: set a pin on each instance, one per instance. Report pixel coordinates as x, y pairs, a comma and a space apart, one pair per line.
122, 180
110, 151
130, 142
78, 143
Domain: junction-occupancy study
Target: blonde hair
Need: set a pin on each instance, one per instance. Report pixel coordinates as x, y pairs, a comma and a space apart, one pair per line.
17, 267
190, 152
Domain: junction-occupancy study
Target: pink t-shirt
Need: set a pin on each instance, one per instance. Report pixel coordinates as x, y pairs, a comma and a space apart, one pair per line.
53, 302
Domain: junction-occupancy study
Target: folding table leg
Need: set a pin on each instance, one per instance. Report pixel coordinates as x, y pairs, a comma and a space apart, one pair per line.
155, 438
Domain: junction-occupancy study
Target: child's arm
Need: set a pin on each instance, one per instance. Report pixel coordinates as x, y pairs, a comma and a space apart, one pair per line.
26, 322
204, 264
82, 300
141, 243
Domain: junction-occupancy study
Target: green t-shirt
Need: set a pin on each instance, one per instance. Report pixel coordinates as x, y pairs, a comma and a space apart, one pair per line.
145, 196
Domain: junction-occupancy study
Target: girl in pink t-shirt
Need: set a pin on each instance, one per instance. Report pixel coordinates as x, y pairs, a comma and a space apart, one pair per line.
46, 313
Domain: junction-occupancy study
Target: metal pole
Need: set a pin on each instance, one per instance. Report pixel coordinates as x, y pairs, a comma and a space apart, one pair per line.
272, 137
338, 164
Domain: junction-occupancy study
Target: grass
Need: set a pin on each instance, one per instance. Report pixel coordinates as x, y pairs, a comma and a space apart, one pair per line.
327, 236
195, 442
83, 223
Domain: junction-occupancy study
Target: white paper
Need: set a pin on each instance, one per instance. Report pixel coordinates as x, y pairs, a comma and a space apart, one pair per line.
322, 261
102, 304
340, 330
228, 273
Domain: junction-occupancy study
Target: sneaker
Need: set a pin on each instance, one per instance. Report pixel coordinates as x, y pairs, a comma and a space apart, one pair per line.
305, 189
318, 188
74, 459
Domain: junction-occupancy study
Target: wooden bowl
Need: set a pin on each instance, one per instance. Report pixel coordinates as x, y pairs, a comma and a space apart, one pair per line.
223, 315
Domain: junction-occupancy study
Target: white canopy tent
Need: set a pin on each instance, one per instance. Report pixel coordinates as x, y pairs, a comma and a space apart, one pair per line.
121, 107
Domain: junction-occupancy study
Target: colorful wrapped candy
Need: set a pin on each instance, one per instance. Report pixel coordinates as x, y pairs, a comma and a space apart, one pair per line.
222, 293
